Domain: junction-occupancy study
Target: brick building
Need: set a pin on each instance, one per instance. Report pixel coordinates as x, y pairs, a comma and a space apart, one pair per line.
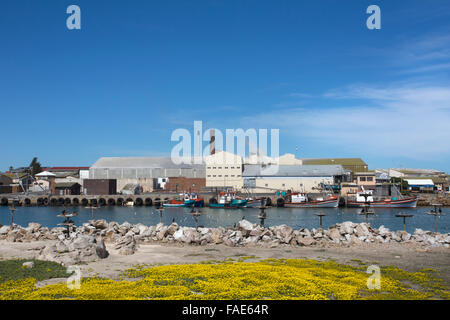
180, 184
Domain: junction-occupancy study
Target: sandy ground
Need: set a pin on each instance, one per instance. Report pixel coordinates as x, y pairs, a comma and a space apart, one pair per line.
409, 258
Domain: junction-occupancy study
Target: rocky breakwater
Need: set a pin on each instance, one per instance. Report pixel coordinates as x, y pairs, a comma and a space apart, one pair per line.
87, 242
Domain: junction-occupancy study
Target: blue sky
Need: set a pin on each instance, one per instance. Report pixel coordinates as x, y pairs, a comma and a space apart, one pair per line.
137, 70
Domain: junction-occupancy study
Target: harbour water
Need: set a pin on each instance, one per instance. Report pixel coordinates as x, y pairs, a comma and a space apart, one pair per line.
294, 217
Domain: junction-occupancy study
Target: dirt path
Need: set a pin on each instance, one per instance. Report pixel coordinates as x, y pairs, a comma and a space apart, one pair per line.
409, 258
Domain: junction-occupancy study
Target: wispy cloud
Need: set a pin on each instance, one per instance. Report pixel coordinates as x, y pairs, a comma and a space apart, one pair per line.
402, 121
424, 54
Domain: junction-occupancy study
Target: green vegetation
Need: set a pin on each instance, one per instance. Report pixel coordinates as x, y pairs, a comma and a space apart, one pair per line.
42, 270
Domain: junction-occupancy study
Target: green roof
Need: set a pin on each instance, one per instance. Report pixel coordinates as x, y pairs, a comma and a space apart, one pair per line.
341, 161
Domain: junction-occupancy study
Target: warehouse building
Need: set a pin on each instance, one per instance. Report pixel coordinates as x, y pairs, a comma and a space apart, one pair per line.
224, 169
297, 178
142, 171
420, 185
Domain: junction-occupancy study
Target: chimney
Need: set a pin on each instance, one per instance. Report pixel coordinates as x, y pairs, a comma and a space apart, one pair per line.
212, 145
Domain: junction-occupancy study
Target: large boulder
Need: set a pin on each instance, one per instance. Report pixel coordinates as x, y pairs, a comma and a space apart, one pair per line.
34, 227
334, 235
306, 241
346, 227
362, 230
4, 230
178, 235
172, 228
126, 245
245, 226
99, 224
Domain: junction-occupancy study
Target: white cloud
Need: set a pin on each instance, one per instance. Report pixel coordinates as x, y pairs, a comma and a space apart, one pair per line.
399, 121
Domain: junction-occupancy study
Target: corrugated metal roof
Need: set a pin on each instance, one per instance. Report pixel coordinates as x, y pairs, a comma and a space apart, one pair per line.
420, 182
254, 170
140, 162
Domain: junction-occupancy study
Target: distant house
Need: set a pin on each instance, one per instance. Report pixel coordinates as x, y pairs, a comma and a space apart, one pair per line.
67, 188
297, 178
420, 185
366, 179
440, 183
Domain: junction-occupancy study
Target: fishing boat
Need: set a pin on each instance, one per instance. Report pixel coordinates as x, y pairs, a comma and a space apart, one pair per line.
198, 201
228, 200
366, 196
255, 202
183, 201
301, 200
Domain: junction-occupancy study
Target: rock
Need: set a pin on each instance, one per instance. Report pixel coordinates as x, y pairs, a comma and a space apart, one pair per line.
4, 230
362, 230
245, 225
172, 228
305, 232
306, 241
346, 227
178, 235
285, 231
126, 245
34, 226
162, 233
216, 236
383, 231
135, 230
334, 235
228, 242
419, 232
28, 265
81, 242
61, 247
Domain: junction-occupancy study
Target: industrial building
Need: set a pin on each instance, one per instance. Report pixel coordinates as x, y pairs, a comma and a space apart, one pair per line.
224, 169
142, 171
300, 178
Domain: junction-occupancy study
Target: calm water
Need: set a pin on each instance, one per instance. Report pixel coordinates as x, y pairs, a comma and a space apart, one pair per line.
293, 217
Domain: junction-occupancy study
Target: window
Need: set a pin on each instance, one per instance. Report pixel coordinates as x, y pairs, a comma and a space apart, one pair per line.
362, 178
209, 175
369, 178
219, 175
238, 167
209, 167
226, 167
232, 175
266, 185
226, 175
232, 167
214, 175
219, 167
214, 167
283, 185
